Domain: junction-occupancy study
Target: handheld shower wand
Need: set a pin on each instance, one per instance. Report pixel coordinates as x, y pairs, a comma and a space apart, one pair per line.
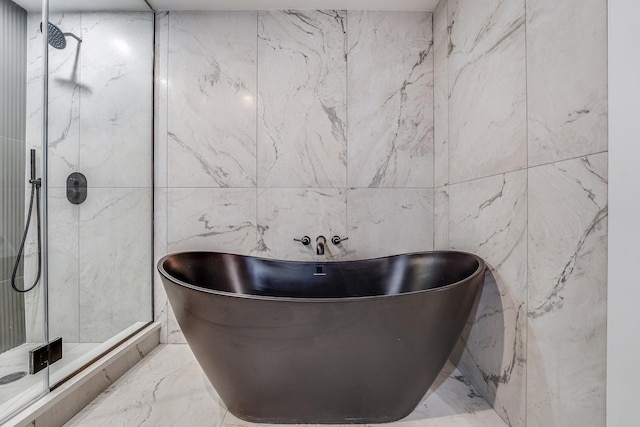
36, 183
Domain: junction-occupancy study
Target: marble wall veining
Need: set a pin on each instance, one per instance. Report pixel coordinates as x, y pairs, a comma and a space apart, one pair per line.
272, 125
521, 179
566, 79
487, 86
391, 110
213, 58
302, 91
567, 279
100, 102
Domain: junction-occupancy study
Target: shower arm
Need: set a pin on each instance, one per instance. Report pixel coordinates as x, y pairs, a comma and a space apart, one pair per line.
74, 36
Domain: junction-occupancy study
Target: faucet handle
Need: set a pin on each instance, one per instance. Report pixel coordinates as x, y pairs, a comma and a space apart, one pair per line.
337, 239
305, 240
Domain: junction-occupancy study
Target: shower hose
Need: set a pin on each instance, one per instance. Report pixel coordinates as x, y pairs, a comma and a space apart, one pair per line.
35, 191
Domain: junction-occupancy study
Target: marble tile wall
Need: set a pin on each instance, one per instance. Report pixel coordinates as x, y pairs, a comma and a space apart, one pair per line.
567, 277
271, 125
487, 87
390, 111
521, 179
302, 85
566, 79
100, 125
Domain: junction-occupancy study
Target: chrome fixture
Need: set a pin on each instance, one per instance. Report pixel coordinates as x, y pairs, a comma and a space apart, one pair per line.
57, 38
337, 239
320, 242
305, 240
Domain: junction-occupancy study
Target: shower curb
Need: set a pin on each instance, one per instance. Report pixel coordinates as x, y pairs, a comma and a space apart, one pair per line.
60, 405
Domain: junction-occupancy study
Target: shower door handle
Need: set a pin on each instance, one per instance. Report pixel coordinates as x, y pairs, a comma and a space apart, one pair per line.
76, 188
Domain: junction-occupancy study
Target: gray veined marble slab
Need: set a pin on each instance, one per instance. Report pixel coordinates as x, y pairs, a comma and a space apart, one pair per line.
487, 88
115, 250
566, 79
220, 219
212, 99
568, 214
168, 388
441, 94
63, 280
390, 93
441, 218
116, 99
488, 217
302, 98
160, 302
389, 221
161, 101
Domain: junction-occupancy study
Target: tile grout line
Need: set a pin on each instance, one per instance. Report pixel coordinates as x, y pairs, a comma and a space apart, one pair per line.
257, 111
526, 277
346, 114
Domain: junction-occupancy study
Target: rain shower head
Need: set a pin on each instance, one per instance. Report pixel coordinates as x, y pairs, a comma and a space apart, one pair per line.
57, 38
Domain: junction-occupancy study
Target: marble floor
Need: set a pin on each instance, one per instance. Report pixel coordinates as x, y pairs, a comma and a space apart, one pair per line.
168, 388
16, 360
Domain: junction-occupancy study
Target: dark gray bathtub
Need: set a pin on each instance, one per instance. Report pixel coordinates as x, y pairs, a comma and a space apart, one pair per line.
322, 342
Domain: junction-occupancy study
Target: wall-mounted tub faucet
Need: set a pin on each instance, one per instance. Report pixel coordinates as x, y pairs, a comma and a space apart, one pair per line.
320, 242
305, 240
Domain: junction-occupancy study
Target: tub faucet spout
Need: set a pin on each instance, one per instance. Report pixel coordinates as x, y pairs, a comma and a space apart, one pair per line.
320, 242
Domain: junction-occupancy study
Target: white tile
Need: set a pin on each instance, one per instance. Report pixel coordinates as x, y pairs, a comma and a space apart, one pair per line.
116, 99
160, 302
441, 219
302, 99
390, 93
566, 79
567, 292
211, 219
212, 106
489, 218
487, 88
386, 221
114, 263
64, 316
286, 213
161, 99
167, 388
441, 94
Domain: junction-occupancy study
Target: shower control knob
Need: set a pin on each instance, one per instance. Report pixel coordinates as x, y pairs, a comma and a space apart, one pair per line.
305, 240
337, 239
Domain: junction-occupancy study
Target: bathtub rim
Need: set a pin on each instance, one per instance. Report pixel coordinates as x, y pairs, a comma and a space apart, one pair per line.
163, 273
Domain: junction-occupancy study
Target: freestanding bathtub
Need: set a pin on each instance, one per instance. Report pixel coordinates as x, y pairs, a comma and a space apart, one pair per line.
322, 342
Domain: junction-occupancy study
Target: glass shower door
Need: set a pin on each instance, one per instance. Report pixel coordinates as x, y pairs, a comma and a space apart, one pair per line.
22, 314
100, 179
97, 198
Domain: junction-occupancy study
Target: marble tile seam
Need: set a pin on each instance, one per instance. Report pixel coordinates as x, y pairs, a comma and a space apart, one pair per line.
519, 169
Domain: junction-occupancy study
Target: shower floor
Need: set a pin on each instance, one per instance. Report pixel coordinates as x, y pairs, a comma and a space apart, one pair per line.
168, 388
13, 394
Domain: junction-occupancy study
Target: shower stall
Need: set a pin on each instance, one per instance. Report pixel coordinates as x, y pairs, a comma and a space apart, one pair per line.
76, 188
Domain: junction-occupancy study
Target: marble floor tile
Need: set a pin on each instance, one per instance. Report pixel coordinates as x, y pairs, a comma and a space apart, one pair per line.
17, 360
169, 388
